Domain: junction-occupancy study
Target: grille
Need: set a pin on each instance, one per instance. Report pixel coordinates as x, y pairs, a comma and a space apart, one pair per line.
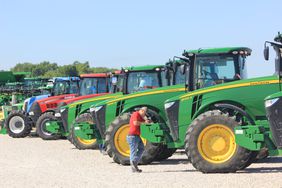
172, 114
35, 108
274, 114
100, 121
64, 116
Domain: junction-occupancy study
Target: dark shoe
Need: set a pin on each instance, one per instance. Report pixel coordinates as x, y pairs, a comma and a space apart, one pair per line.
133, 169
134, 166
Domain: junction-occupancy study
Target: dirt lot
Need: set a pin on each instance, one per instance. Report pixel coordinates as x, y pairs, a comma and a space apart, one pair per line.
32, 162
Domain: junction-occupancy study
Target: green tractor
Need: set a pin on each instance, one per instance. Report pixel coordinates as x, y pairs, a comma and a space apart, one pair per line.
131, 80
79, 112
220, 127
210, 67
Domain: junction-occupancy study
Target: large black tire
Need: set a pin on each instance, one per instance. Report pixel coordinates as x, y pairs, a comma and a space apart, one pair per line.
78, 142
151, 150
239, 157
18, 124
41, 126
165, 153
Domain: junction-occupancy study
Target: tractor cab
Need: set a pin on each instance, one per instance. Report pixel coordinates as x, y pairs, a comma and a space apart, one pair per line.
277, 46
209, 67
94, 84
134, 79
65, 85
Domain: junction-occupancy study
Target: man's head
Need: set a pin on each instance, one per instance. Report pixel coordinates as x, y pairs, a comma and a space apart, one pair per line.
142, 111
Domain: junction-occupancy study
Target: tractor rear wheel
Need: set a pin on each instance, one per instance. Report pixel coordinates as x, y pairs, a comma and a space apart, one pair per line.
117, 146
41, 126
17, 124
210, 144
80, 143
165, 153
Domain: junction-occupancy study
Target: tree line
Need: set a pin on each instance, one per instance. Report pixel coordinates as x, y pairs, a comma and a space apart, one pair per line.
46, 69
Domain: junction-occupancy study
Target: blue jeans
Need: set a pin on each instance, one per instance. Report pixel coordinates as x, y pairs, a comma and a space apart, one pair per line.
136, 148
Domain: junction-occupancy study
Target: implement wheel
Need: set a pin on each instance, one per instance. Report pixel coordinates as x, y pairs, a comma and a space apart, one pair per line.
80, 143
210, 144
17, 124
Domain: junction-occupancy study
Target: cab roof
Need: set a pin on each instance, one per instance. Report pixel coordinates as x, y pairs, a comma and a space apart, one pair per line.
143, 68
66, 78
224, 50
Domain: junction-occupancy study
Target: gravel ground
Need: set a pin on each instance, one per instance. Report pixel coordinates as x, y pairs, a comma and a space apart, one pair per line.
32, 162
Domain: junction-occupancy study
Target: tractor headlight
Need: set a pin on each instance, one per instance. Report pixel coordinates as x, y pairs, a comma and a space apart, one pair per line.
270, 102
169, 104
58, 114
98, 108
62, 110
31, 113
92, 109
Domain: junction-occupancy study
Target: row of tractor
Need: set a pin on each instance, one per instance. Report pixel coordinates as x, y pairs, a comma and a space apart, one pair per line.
202, 102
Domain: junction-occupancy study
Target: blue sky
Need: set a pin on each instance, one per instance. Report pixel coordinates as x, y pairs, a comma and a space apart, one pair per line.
124, 33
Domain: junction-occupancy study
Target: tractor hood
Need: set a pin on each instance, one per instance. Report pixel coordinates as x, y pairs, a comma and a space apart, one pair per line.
28, 102
240, 83
155, 91
273, 96
93, 99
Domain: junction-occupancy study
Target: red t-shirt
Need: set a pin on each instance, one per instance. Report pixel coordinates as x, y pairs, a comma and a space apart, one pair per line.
135, 130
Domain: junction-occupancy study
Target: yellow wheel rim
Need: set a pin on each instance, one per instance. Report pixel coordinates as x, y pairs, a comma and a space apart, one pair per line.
120, 140
1, 115
216, 143
86, 142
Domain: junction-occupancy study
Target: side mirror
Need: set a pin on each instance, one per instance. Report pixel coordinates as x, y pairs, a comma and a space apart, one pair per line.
183, 69
167, 75
266, 53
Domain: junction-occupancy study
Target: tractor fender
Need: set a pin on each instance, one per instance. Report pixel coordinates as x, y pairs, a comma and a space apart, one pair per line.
150, 107
134, 108
233, 107
224, 104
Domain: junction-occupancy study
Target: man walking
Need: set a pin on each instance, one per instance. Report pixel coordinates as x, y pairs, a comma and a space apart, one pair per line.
135, 143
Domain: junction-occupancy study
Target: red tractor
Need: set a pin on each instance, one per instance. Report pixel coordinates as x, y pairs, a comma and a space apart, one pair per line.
91, 85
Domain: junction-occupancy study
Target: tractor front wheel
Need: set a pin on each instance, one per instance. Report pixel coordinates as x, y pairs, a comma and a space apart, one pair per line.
80, 143
17, 124
41, 126
117, 146
210, 144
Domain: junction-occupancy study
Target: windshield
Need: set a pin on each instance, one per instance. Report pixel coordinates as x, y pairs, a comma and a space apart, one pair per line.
140, 81
212, 70
90, 86
32, 83
65, 87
